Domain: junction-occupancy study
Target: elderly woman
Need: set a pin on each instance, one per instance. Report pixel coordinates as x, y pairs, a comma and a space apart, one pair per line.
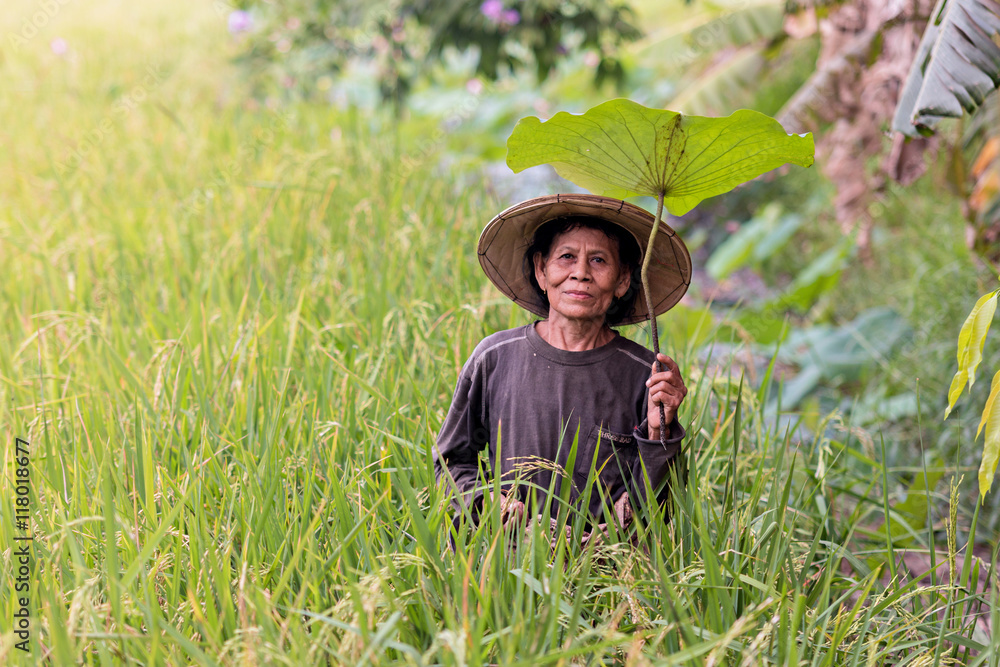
527, 392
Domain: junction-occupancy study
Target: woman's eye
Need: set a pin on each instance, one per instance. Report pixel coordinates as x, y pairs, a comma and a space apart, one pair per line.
565, 255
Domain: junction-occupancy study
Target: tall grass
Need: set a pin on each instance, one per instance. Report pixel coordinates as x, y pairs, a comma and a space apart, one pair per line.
230, 336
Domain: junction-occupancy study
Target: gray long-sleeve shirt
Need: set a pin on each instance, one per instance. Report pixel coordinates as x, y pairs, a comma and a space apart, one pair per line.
525, 400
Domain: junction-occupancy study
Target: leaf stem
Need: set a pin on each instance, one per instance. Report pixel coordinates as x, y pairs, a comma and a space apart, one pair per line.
644, 278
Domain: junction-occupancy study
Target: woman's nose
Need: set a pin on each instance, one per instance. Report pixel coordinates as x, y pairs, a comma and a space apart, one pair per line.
581, 269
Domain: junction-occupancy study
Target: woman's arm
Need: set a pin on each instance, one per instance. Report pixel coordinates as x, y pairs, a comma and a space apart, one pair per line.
656, 459
462, 437
667, 388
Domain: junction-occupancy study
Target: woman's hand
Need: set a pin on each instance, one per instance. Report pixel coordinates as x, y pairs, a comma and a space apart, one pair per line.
511, 509
666, 388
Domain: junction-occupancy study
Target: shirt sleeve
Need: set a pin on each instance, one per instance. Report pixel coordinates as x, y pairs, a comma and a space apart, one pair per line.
656, 459
462, 437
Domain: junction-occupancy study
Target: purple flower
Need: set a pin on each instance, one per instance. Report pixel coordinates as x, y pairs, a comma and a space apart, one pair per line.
240, 21
510, 17
59, 46
493, 10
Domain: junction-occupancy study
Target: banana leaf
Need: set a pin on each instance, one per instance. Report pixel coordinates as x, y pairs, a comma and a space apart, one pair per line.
957, 65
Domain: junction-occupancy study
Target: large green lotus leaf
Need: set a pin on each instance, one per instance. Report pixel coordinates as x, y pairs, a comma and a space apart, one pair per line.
623, 149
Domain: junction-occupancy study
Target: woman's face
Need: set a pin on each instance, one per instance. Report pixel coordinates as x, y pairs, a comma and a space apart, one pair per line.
581, 275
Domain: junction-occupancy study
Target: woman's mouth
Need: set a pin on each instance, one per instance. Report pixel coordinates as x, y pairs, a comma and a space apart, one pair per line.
577, 295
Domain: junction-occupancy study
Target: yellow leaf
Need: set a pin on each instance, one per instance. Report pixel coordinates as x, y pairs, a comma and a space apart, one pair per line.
991, 447
987, 409
972, 337
957, 384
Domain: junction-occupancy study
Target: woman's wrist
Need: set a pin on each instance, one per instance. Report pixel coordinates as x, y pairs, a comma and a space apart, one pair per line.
653, 432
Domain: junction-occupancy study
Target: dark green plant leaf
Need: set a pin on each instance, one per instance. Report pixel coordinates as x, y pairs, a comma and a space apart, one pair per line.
754, 242
957, 65
623, 149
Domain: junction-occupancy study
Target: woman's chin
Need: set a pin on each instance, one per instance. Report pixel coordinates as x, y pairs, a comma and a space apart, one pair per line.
578, 312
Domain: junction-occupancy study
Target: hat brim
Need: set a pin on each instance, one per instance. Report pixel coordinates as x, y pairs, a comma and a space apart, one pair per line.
508, 236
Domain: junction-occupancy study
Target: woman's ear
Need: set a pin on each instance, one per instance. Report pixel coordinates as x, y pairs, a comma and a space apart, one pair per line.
540, 271
624, 282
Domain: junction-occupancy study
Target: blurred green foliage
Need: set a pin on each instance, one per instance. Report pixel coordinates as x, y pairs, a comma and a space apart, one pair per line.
399, 42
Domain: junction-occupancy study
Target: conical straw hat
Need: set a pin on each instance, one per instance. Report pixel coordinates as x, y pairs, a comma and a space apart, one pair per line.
508, 236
